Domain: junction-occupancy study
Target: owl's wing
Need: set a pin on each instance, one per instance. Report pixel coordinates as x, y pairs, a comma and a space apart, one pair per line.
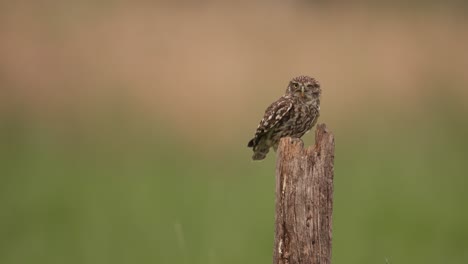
273, 115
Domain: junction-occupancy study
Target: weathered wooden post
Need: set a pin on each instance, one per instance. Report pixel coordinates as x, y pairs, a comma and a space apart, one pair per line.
304, 200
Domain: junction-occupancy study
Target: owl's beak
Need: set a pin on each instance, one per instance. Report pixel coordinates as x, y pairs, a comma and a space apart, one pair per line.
302, 91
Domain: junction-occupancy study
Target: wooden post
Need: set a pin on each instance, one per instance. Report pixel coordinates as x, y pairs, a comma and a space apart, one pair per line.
304, 200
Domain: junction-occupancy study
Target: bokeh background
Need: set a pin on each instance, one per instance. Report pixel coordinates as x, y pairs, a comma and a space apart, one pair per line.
124, 124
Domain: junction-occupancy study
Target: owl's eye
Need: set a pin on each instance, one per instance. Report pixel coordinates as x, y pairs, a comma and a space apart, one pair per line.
310, 86
295, 85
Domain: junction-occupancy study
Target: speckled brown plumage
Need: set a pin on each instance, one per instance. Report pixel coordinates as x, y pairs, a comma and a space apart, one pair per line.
292, 115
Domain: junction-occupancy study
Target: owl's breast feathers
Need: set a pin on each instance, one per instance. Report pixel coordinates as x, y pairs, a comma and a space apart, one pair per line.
273, 115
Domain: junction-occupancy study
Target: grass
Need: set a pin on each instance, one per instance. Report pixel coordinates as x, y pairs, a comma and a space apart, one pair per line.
122, 192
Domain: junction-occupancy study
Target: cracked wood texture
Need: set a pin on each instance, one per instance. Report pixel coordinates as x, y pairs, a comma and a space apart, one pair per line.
304, 200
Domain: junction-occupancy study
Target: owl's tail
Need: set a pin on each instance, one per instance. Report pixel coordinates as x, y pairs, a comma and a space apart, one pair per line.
260, 149
259, 155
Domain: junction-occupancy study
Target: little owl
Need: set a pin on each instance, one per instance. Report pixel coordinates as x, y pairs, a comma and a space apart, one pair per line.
293, 115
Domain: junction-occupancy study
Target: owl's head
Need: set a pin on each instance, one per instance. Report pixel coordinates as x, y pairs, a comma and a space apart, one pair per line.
304, 87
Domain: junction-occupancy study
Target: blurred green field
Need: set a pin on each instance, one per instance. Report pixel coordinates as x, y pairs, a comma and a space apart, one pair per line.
127, 191
123, 128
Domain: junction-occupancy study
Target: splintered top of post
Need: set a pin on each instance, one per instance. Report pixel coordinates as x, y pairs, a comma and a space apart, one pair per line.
324, 141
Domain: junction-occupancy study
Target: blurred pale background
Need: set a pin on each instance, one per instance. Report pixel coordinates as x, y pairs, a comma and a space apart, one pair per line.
124, 124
